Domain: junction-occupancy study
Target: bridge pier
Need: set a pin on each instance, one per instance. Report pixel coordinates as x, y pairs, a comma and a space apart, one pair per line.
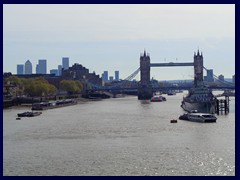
144, 88
144, 93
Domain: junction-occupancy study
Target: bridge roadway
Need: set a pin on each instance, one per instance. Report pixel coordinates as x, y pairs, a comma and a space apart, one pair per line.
103, 88
171, 64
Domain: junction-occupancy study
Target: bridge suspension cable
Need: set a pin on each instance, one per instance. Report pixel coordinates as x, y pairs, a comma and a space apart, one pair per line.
120, 83
222, 81
133, 75
127, 79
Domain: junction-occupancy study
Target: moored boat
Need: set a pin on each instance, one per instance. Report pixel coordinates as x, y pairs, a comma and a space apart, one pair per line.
198, 117
54, 104
171, 93
201, 99
184, 116
29, 114
158, 99
201, 117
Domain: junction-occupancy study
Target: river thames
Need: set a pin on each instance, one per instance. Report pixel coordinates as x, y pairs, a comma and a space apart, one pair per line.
118, 136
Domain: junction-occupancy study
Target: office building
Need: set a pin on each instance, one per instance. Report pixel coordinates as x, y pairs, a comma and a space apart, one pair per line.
233, 79
116, 75
37, 69
210, 75
20, 69
28, 67
105, 76
65, 63
221, 78
110, 78
59, 70
54, 71
42, 66
81, 73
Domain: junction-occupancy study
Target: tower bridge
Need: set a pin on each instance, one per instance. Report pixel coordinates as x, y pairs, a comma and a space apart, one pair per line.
145, 87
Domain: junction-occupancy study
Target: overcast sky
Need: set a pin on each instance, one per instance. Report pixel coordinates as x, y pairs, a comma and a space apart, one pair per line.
111, 37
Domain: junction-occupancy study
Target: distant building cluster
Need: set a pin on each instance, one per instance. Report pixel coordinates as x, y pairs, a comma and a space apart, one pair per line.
41, 67
79, 72
209, 78
105, 77
63, 71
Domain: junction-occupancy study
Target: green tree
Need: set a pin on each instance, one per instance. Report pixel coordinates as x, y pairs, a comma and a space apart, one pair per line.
17, 82
71, 86
79, 84
39, 87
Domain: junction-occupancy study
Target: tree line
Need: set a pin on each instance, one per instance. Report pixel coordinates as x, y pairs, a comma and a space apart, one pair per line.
37, 87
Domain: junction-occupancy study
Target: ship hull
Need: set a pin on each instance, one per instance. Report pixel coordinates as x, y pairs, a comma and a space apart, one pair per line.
201, 107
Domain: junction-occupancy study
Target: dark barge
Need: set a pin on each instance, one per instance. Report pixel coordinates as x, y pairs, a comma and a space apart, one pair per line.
54, 104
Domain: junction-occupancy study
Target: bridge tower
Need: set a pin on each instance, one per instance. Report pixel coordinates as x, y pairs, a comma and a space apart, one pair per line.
144, 88
198, 69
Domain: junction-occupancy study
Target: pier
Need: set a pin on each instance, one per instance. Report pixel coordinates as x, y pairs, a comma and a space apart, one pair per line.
222, 105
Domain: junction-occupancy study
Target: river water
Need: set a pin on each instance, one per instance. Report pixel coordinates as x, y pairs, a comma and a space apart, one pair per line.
121, 136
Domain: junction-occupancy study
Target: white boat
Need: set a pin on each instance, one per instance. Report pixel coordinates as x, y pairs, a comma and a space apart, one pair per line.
201, 117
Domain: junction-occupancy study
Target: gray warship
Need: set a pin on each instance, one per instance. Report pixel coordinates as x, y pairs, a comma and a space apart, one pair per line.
199, 97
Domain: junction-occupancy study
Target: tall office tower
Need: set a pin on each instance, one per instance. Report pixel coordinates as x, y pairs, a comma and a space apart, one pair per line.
105, 76
42, 66
210, 75
110, 78
54, 71
233, 79
37, 69
59, 70
116, 75
28, 67
65, 63
221, 77
20, 69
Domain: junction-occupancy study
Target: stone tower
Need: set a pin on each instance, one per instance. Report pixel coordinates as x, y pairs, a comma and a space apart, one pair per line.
145, 88
198, 69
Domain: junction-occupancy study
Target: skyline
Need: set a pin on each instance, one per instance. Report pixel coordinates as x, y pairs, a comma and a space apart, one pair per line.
111, 37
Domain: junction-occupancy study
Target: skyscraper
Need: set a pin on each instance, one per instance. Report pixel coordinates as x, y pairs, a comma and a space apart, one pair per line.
59, 70
54, 71
221, 77
233, 79
28, 67
65, 63
20, 69
42, 66
110, 78
37, 69
105, 76
116, 75
210, 75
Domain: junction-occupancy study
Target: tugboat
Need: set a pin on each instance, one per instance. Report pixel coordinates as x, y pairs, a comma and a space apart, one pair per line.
199, 98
